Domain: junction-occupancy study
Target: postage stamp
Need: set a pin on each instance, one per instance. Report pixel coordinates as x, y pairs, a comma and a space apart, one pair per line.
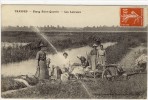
131, 17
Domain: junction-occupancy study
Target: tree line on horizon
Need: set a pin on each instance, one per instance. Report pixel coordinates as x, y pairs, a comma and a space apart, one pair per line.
47, 28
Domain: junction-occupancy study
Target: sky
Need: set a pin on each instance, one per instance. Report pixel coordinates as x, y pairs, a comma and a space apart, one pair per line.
89, 16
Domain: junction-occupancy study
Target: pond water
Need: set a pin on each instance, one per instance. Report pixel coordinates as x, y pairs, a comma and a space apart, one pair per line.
14, 44
28, 67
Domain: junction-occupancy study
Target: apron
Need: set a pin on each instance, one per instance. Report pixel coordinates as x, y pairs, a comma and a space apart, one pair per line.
42, 70
93, 59
93, 62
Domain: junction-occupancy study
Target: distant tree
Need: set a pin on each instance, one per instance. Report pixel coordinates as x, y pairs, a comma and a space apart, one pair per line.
58, 26
94, 26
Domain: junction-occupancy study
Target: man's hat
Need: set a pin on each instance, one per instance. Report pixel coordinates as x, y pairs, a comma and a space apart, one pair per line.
95, 45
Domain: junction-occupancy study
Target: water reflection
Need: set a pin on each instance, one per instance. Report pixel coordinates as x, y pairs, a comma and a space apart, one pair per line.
14, 44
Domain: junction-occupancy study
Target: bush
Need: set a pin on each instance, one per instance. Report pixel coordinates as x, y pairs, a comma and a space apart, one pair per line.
116, 52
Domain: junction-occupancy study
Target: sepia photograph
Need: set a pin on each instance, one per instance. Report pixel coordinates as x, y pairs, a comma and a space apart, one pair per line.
73, 52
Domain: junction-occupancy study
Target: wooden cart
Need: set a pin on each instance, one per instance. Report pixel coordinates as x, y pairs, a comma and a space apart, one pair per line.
109, 72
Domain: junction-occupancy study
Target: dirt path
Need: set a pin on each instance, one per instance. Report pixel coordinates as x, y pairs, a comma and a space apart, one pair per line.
129, 60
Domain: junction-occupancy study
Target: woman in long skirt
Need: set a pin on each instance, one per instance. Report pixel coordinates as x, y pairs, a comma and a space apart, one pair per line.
42, 70
93, 57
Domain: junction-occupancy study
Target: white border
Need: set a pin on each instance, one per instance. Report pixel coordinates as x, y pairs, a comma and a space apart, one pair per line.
78, 2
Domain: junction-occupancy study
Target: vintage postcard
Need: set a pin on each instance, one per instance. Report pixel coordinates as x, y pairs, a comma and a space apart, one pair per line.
74, 52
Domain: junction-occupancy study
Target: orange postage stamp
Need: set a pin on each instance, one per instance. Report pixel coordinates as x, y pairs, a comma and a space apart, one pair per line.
131, 17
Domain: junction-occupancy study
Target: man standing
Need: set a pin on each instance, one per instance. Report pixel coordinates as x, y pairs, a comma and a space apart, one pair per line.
101, 54
42, 70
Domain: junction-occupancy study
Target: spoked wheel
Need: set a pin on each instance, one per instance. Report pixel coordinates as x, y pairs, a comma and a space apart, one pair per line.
106, 74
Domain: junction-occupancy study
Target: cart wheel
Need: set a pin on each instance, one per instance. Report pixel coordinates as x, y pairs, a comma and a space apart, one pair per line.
106, 74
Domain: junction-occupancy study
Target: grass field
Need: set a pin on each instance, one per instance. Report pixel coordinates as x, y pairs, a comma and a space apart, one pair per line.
52, 90
133, 88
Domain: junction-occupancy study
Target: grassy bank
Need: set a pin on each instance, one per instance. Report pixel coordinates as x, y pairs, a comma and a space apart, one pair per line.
116, 52
8, 83
52, 90
134, 88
